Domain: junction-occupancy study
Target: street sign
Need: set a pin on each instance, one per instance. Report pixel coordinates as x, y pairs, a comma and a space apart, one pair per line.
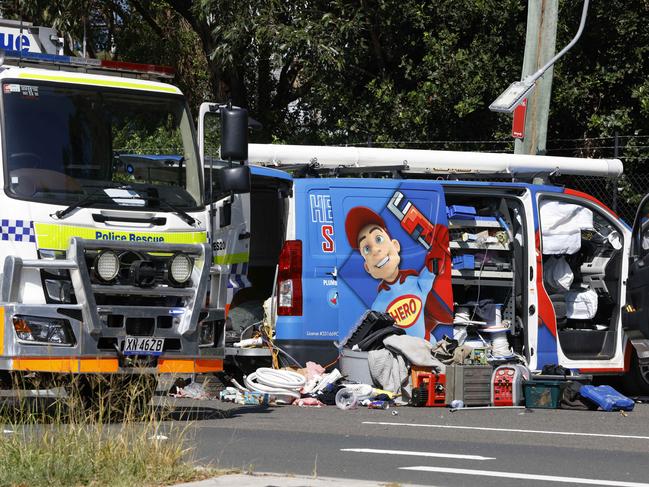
518, 123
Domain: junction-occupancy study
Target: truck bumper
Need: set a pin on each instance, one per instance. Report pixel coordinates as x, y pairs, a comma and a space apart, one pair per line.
105, 315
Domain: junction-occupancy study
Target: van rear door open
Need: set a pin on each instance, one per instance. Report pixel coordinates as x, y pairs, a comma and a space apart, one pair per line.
339, 283
391, 243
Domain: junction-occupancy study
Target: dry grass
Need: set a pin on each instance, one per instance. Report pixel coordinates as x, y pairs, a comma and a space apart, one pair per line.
109, 441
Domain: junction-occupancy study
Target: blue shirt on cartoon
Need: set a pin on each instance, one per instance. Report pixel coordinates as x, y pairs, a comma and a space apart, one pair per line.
405, 299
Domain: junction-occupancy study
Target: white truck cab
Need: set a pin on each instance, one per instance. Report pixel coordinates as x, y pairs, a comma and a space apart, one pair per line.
105, 234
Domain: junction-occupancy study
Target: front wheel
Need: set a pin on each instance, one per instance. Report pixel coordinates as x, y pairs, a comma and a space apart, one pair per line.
636, 381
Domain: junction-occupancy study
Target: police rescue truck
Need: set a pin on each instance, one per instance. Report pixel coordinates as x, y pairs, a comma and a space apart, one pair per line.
115, 246
419, 237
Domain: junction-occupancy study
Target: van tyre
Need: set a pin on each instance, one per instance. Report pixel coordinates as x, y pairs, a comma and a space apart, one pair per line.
636, 381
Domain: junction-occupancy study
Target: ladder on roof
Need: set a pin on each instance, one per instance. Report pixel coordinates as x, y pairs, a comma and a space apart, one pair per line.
349, 160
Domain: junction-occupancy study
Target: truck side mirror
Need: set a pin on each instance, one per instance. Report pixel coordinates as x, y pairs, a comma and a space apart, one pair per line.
234, 134
234, 179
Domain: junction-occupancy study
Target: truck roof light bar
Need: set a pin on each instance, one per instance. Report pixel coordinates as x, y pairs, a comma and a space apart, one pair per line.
56, 61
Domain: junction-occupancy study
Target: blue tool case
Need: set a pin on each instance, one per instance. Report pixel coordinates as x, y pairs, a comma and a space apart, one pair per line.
607, 398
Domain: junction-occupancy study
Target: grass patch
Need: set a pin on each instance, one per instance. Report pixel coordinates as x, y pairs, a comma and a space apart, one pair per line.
60, 442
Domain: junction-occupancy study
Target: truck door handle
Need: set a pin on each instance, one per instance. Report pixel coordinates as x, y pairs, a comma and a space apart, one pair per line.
244, 235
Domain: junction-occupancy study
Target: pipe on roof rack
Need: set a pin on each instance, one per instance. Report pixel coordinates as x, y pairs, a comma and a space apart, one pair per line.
427, 161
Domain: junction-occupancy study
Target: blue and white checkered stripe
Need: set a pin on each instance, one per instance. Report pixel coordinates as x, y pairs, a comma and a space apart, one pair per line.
239, 276
17, 230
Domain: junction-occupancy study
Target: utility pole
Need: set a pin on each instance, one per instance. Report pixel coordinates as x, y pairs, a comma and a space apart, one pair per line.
540, 43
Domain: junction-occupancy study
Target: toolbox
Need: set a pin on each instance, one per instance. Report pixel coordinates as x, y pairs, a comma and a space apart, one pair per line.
544, 394
470, 384
428, 387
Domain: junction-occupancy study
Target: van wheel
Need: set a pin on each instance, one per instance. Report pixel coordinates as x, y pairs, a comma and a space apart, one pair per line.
637, 380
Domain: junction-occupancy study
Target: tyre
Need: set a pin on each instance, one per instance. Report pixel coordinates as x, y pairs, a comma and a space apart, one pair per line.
636, 381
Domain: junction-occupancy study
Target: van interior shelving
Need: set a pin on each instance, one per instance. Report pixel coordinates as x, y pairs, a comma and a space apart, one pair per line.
487, 258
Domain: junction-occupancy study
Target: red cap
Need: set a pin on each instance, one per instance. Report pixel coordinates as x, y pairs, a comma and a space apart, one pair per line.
357, 219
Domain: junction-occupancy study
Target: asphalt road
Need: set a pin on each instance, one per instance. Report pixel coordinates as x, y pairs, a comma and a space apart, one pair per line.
430, 446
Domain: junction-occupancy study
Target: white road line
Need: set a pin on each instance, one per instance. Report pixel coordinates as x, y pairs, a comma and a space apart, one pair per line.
509, 430
417, 453
527, 476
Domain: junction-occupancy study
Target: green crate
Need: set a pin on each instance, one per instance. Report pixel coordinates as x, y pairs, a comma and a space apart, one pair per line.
544, 394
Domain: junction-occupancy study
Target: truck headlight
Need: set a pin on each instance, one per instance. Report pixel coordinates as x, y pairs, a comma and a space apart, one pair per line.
36, 329
180, 268
107, 265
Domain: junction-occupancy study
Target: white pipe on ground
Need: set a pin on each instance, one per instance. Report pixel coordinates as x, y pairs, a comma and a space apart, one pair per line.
428, 161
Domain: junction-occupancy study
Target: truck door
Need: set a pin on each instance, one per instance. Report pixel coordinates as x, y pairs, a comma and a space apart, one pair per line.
636, 312
392, 254
229, 215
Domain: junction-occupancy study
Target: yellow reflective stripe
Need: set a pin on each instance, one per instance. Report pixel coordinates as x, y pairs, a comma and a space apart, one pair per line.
232, 258
100, 82
57, 237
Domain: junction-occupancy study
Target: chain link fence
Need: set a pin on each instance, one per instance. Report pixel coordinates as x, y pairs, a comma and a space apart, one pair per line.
622, 195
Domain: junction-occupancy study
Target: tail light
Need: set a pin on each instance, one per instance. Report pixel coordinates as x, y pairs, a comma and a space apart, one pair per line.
289, 279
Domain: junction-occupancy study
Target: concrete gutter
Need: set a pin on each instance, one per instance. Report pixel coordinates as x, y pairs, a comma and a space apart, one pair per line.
279, 480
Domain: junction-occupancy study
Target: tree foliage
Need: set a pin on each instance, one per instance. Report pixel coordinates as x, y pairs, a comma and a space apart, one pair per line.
391, 72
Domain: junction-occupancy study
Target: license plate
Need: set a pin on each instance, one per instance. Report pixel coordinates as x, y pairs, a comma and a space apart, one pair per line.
143, 346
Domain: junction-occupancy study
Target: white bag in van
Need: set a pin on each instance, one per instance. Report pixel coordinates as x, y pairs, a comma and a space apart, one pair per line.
581, 305
557, 274
561, 225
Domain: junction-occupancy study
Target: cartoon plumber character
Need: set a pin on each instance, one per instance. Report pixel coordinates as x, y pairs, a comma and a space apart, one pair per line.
416, 300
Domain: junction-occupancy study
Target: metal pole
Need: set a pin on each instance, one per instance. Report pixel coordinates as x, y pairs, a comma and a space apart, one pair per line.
616, 153
582, 23
540, 43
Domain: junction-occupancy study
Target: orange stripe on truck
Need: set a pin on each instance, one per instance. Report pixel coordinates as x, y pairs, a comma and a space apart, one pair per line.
66, 364
176, 366
2, 330
97, 365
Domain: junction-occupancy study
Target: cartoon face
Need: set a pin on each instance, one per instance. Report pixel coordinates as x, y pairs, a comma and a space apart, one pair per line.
381, 253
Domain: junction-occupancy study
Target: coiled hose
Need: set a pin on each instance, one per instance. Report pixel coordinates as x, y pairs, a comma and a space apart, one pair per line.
275, 382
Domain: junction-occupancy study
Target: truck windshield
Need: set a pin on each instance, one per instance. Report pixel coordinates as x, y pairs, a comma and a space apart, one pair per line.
127, 149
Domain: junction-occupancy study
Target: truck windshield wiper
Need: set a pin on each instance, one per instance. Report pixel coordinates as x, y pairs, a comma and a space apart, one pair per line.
190, 220
97, 197
92, 198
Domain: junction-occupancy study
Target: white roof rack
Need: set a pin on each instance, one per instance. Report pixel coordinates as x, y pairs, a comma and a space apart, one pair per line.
427, 162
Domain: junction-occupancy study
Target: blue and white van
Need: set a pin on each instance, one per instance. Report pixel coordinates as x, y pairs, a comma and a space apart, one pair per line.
566, 275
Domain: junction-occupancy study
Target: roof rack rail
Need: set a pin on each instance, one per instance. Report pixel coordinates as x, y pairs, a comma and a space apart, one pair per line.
427, 162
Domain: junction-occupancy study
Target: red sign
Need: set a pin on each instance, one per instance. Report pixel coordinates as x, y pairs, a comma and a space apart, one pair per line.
518, 124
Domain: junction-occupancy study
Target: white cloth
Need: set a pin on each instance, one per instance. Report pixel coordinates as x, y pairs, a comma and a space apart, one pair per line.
416, 350
581, 305
557, 274
561, 225
390, 372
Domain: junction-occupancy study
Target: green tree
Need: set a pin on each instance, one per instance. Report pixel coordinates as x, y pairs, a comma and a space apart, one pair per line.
390, 72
